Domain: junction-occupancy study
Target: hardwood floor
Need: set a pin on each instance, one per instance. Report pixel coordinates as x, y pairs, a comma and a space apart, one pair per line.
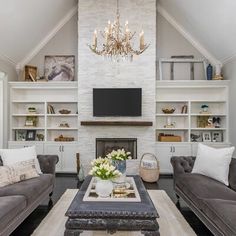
65, 182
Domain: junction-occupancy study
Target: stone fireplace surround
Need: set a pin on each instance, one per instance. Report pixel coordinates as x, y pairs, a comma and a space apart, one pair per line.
94, 72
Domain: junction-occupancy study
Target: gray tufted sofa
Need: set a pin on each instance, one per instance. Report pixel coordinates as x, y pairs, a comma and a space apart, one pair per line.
18, 200
213, 202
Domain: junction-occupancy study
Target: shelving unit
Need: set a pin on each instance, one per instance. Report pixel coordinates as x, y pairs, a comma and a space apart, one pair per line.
60, 95
193, 95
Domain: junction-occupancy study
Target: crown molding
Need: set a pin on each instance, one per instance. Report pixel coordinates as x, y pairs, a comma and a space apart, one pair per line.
8, 60
48, 37
187, 36
229, 59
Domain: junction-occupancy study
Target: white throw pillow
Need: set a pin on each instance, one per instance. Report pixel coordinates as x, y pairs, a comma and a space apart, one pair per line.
12, 156
213, 162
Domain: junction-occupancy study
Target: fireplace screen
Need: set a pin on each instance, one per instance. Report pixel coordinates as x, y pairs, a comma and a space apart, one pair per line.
106, 145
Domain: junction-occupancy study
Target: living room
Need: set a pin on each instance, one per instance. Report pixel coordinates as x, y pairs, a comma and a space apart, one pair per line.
148, 85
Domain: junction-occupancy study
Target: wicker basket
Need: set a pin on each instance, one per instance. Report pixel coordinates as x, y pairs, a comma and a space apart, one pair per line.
148, 174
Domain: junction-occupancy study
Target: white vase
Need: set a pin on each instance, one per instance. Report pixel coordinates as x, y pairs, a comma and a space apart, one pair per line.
104, 188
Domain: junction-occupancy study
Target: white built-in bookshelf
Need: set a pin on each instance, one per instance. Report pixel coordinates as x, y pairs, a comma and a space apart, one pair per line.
61, 95
192, 94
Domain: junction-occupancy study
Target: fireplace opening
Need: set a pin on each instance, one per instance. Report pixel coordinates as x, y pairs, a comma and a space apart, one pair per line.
106, 145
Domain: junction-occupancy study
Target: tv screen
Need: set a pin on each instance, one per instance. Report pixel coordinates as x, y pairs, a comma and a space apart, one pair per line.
117, 102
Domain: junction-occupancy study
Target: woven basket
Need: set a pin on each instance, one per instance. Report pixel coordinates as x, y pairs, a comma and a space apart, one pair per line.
147, 174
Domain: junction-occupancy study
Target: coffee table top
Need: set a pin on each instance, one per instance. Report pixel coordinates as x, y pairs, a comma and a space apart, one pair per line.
135, 210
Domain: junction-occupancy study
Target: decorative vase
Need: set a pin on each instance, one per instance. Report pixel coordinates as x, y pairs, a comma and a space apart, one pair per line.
104, 188
209, 72
121, 167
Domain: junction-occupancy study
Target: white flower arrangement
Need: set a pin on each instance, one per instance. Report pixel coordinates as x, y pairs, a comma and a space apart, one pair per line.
97, 162
105, 171
119, 154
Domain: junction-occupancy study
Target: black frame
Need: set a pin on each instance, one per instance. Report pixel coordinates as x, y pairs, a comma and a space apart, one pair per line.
28, 136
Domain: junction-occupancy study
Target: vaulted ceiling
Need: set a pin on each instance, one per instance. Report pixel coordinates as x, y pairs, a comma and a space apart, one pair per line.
211, 22
25, 23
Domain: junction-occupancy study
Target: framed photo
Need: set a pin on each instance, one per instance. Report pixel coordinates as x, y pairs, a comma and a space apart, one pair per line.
59, 68
30, 135
217, 136
206, 136
20, 135
30, 73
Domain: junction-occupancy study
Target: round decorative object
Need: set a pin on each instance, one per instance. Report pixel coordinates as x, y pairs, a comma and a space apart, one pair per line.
64, 111
168, 110
104, 188
120, 166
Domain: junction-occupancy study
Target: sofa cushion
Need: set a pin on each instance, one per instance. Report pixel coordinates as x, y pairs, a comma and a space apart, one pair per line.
198, 187
222, 213
10, 207
31, 188
232, 174
213, 162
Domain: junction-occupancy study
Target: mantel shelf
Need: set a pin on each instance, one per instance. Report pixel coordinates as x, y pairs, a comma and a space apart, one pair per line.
116, 123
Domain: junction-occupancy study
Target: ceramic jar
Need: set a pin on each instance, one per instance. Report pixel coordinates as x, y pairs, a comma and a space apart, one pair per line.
104, 188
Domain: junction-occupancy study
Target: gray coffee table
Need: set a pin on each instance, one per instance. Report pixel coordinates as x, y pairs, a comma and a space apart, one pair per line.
112, 216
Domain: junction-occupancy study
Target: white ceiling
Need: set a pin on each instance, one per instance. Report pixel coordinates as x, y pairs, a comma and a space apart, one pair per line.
25, 23
211, 22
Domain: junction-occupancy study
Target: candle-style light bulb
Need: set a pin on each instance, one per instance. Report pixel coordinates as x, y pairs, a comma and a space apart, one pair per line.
95, 39
142, 44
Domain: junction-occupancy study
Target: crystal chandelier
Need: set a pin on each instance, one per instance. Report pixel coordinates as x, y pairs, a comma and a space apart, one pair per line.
117, 43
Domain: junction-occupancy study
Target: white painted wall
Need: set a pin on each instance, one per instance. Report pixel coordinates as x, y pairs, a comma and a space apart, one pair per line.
1, 112
169, 43
229, 72
65, 42
9, 69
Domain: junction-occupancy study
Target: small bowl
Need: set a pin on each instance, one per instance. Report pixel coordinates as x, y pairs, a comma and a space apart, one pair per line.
64, 111
168, 110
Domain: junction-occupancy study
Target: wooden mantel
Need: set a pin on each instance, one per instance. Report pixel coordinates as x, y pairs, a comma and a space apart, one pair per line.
116, 123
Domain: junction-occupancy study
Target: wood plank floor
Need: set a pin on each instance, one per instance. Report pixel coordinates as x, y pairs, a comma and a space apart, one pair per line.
65, 182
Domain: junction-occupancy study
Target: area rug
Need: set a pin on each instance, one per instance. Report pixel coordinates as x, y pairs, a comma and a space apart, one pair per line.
171, 222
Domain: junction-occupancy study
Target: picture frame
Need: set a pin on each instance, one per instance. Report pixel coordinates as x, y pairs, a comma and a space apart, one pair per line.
59, 67
31, 73
217, 136
206, 136
20, 135
30, 135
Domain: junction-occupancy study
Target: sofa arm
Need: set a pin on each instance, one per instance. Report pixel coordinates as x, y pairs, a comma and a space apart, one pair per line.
48, 163
182, 164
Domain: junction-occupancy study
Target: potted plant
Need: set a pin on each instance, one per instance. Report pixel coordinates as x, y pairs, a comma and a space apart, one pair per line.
118, 159
105, 173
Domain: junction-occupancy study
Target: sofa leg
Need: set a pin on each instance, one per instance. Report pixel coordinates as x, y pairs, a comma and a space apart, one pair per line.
50, 203
178, 202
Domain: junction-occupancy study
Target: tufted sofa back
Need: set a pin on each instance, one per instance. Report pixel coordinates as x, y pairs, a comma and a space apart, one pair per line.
184, 164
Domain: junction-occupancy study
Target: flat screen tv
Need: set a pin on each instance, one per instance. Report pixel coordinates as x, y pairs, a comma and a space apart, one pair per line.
117, 102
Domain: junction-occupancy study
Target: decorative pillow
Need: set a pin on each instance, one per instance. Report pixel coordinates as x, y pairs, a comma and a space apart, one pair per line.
23, 170
213, 162
12, 156
5, 176
17, 172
